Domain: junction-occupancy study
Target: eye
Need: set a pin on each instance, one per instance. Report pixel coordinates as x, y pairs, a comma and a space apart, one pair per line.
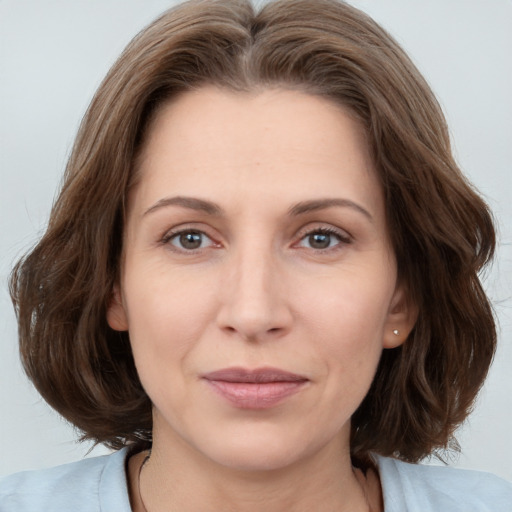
188, 240
323, 239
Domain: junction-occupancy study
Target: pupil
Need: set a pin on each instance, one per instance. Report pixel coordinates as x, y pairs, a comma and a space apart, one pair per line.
190, 240
320, 240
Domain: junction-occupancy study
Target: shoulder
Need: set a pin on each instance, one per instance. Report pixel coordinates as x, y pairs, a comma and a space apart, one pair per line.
97, 483
421, 488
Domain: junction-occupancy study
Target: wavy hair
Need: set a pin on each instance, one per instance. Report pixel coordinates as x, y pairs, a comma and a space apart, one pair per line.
441, 230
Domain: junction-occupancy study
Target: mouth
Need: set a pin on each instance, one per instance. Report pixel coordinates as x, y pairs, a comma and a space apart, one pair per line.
260, 388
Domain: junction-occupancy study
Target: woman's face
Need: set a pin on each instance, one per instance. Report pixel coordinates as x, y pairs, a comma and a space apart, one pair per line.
258, 283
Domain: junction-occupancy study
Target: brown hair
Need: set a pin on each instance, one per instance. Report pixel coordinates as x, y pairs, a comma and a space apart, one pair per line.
441, 230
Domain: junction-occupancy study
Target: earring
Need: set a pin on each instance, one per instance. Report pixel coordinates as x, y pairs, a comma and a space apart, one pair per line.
396, 332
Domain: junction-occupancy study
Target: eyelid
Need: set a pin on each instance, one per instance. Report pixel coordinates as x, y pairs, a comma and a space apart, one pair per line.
174, 232
344, 236
326, 228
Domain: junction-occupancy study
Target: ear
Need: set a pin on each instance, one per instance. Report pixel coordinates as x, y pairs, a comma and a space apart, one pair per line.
402, 316
116, 313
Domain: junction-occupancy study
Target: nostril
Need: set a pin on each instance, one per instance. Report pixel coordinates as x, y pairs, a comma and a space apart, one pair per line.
253, 311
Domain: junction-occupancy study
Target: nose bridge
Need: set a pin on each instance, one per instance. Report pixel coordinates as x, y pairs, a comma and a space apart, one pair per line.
253, 304
255, 267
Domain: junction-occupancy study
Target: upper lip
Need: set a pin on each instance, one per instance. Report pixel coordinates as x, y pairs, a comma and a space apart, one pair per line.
257, 375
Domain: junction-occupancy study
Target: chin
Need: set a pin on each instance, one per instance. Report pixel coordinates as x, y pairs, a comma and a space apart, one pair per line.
248, 452
259, 459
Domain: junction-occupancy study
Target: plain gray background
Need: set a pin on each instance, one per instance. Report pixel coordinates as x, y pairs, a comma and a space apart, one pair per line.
53, 55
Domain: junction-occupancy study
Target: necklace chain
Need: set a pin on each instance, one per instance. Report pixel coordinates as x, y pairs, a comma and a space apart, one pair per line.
146, 459
363, 487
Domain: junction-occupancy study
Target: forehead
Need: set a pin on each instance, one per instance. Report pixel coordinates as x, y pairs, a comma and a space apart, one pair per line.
214, 115
272, 142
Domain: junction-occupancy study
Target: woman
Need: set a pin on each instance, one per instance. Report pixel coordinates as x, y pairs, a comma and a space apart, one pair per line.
259, 282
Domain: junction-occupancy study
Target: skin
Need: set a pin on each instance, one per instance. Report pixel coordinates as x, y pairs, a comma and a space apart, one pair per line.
313, 292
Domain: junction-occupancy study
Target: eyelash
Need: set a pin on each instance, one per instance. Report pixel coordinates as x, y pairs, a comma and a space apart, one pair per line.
171, 235
343, 239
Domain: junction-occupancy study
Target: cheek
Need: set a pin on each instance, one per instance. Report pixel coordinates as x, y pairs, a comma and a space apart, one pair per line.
351, 306
347, 318
167, 313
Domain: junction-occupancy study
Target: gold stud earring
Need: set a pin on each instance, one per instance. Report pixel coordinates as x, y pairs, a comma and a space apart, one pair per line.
396, 332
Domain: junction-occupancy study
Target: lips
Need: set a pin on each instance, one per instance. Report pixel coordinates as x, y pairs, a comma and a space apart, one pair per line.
255, 389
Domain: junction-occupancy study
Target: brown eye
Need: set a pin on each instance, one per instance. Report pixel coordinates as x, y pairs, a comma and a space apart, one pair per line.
189, 240
324, 239
319, 240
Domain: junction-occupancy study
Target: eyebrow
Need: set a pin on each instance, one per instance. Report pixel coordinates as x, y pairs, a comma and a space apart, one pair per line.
322, 204
211, 208
193, 203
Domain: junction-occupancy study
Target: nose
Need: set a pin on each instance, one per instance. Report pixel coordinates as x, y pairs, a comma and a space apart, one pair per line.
254, 300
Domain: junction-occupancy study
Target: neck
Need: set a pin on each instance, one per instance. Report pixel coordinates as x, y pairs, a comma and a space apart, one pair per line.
175, 478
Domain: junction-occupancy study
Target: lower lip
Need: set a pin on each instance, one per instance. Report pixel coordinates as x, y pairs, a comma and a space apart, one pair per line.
261, 395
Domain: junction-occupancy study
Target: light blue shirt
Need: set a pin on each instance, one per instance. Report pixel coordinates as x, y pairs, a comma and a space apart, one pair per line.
99, 485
